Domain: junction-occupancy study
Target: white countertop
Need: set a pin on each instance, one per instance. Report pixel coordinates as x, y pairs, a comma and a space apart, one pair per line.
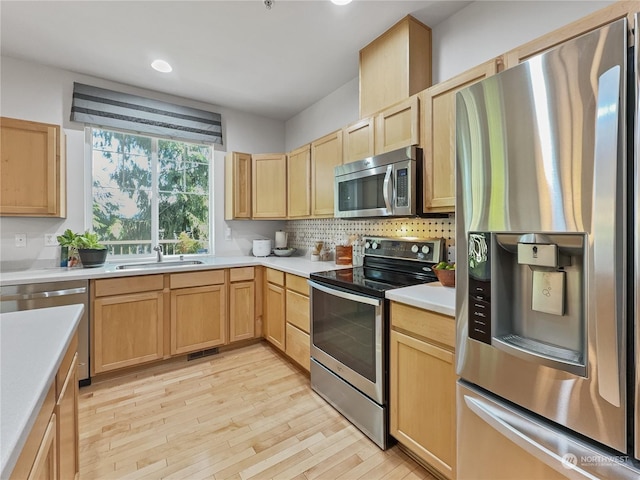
32, 346
429, 296
301, 266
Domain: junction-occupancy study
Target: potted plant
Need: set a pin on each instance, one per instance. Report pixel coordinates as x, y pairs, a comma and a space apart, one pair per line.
68, 250
82, 247
92, 252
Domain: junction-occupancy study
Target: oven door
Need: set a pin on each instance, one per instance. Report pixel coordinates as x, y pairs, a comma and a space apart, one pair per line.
366, 193
347, 337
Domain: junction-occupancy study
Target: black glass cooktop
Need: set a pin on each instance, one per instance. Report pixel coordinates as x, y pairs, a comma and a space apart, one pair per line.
372, 281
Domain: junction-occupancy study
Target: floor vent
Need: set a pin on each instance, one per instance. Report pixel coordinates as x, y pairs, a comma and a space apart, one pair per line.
202, 353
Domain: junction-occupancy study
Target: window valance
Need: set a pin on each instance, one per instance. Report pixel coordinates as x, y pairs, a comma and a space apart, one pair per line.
107, 108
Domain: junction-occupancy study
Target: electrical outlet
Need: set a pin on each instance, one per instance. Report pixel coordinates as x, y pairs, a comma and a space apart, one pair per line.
50, 240
21, 240
227, 233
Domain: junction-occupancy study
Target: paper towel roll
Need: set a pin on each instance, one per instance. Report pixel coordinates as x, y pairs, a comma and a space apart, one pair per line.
281, 239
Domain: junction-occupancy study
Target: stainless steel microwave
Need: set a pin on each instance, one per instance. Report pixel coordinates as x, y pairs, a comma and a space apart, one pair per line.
387, 185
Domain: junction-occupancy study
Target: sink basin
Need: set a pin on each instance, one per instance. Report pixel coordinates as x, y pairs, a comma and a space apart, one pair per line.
175, 263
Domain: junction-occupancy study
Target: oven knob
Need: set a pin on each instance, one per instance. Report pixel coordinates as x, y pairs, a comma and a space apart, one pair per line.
426, 249
414, 249
374, 245
367, 245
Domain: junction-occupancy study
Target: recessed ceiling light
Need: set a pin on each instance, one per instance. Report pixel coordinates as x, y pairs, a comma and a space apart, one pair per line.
161, 66
340, 2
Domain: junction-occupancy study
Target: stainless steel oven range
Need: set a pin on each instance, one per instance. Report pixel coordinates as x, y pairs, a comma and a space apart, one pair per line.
350, 327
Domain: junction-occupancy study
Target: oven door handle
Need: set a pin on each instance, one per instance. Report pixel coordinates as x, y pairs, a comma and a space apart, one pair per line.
346, 295
387, 189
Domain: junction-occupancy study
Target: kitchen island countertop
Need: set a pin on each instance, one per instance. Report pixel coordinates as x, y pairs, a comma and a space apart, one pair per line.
428, 296
33, 344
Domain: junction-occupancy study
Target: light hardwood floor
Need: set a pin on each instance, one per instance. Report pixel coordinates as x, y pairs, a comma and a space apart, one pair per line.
245, 413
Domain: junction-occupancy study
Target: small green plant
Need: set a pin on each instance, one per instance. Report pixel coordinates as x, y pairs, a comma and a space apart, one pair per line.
90, 241
67, 239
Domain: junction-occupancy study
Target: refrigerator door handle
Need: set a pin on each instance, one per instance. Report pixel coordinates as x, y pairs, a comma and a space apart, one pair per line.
608, 198
505, 423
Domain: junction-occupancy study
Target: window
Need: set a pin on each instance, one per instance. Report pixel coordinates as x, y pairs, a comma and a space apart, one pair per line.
148, 191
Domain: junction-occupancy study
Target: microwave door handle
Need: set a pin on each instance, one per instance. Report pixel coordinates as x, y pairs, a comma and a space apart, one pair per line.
387, 189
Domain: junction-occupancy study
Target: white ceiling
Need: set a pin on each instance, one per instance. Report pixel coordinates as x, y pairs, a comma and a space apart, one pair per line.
235, 54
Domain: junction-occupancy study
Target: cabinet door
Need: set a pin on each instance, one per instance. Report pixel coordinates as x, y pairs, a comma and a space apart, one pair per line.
275, 315
127, 330
326, 154
584, 25
299, 346
422, 401
298, 310
269, 185
242, 310
395, 65
198, 318
398, 126
237, 186
67, 428
439, 137
45, 464
298, 182
357, 140
33, 177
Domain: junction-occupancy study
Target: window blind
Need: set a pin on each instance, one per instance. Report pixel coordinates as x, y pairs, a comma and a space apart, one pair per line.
107, 108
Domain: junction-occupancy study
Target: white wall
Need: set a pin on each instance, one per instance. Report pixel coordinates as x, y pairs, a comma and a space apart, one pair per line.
334, 111
35, 92
477, 33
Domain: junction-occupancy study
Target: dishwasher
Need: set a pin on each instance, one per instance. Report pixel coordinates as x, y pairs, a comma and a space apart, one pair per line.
32, 296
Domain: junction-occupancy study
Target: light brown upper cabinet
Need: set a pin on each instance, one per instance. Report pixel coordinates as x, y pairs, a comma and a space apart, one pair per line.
298, 182
398, 126
237, 186
326, 154
358, 140
439, 137
32, 183
269, 185
584, 25
395, 66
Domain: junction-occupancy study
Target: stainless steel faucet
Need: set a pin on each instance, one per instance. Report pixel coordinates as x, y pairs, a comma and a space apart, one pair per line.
158, 249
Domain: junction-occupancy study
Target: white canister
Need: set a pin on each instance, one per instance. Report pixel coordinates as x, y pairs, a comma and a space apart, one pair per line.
262, 248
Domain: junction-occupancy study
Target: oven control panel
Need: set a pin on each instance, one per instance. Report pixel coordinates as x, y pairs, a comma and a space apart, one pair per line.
430, 250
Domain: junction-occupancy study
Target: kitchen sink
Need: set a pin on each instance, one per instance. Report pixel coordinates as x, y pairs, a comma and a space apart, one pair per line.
146, 265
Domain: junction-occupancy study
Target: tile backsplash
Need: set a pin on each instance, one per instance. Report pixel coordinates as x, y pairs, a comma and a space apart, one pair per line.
303, 233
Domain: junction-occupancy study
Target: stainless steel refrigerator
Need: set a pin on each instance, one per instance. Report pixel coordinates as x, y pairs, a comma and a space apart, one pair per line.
547, 291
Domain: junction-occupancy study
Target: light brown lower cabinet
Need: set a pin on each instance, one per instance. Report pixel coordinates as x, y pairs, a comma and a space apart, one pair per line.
298, 341
198, 310
275, 309
67, 428
127, 330
51, 450
242, 304
422, 386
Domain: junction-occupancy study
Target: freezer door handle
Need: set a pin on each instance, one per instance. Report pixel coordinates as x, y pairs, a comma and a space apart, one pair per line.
524, 434
608, 198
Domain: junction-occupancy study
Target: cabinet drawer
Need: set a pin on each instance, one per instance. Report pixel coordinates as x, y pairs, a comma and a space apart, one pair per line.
275, 276
297, 307
241, 274
298, 346
297, 284
121, 285
429, 325
196, 279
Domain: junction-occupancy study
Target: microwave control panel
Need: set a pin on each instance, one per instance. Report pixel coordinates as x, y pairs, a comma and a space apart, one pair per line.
402, 187
428, 250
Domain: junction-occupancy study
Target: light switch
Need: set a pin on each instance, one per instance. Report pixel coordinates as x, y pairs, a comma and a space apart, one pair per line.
548, 292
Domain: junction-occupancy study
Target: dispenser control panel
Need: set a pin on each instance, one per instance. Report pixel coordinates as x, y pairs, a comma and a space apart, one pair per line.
480, 287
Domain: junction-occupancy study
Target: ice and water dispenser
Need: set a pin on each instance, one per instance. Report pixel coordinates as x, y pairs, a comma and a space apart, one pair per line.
526, 296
